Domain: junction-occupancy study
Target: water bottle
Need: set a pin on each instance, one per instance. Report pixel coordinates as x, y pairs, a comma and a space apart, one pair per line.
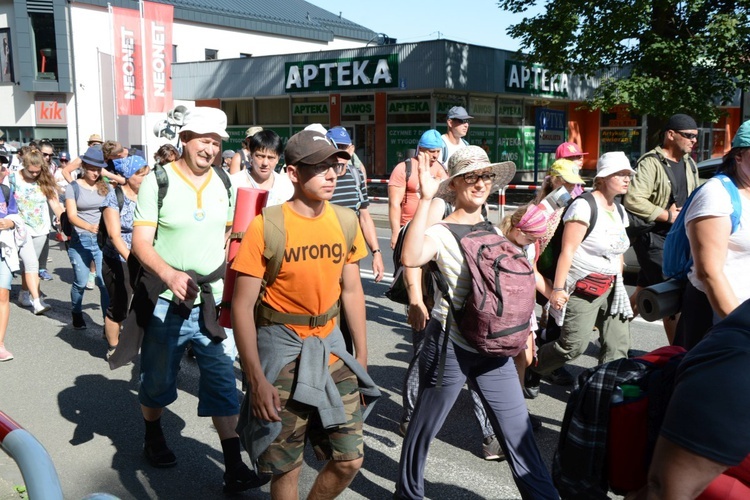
617, 396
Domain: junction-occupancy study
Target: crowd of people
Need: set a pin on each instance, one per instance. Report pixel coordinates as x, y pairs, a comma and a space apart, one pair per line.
154, 244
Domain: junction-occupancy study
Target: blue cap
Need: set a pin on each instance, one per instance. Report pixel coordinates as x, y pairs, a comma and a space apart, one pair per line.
431, 140
742, 138
128, 166
94, 157
339, 135
64, 155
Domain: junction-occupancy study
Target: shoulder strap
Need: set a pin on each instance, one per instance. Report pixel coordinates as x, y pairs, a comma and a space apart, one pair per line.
356, 173
6, 193
162, 182
444, 154
466, 143
76, 190
349, 222
244, 160
407, 174
734, 195
594, 209
120, 197
274, 241
226, 180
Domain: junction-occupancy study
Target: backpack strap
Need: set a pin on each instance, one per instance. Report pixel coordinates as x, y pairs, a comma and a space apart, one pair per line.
356, 173
76, 190
274, 237
120, 197
407, 174
593, 208
226, 180
6, 193
162, 182
734, 195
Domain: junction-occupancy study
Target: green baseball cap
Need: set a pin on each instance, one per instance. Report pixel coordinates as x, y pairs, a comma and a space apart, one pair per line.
742, 138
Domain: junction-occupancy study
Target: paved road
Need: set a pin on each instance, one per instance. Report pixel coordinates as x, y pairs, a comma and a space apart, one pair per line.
60, 388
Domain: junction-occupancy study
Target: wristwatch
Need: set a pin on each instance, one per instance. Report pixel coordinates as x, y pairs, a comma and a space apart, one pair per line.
377, 250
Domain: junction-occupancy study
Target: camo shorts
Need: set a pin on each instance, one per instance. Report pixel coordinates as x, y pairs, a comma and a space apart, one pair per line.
300, 422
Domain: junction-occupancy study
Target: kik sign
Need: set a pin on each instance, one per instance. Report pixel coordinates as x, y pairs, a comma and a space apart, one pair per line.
342, 74
534, 80
51, 113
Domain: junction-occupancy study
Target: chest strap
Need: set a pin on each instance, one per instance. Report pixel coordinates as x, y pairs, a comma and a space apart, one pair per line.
264, 316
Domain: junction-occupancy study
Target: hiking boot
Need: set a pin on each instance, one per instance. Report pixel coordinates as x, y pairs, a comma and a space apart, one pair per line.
561, 376
491, 449
91, 281
241, 478
45, 275
78, 322
159, 455
24, 299
5, 354
40, 307
531, 383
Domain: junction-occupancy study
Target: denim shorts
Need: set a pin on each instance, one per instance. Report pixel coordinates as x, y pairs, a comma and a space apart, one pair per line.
163, 348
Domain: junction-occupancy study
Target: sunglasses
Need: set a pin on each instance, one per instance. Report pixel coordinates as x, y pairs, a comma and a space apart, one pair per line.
47, 155
322, 168
687, 135
459, 121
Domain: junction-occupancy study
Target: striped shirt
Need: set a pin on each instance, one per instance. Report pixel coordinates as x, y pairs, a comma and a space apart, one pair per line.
346, 194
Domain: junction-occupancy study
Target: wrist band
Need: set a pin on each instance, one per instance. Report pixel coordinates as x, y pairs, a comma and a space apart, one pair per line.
558, 289
669, 216
377, 250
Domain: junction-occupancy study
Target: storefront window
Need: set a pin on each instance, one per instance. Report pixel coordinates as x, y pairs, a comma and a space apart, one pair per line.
273, 111
622, 130
409, 109
238, 112
446, 102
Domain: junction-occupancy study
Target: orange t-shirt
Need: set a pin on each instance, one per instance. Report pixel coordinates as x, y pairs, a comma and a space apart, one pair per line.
314, 258
398, 179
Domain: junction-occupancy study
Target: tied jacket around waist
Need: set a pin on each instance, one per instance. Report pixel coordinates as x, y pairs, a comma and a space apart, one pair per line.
146, 290
278, 346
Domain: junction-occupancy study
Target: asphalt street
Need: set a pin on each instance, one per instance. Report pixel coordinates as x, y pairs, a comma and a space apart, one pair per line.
60, 389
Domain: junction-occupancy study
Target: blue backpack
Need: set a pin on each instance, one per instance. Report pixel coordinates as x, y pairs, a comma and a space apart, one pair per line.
677, 257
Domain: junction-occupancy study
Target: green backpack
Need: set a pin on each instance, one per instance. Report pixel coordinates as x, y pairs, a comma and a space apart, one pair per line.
274, 237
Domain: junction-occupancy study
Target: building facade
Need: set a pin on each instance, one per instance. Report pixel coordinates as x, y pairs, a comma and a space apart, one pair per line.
57, 67
388, 95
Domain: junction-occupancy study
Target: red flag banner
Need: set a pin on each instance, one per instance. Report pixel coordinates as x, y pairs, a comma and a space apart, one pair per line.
157, 41
128, 61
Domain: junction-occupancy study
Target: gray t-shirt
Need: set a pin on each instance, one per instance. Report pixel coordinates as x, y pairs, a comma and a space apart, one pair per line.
88, 203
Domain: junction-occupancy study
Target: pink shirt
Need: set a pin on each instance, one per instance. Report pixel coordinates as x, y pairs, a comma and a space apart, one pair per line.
398, 179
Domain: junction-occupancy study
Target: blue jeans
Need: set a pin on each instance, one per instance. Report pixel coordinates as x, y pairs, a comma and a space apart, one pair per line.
164, 343
496, 382
82, 250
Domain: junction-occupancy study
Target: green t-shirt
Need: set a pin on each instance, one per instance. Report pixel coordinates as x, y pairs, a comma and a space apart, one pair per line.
191, 224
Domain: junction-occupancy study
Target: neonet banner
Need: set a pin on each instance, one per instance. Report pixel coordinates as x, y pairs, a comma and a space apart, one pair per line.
139, 90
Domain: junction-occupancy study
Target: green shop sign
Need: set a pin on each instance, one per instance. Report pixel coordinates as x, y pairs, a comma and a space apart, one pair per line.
400, 139
310, 108
358, 108
534, 79
342, 74
399, 107
478, 133
516, 144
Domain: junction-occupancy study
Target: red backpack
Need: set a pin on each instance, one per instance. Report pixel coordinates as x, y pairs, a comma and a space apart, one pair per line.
495, 318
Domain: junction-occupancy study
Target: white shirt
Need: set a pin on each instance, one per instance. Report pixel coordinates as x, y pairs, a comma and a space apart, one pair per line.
714, 200
280, 192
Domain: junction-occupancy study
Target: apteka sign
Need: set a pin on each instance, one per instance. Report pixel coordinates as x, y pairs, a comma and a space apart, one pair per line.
534, 80
342, 74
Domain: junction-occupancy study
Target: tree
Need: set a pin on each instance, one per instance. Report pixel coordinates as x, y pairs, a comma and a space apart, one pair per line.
679, 56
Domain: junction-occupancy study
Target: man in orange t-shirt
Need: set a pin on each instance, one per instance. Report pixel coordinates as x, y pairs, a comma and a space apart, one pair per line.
403, 194
308, 283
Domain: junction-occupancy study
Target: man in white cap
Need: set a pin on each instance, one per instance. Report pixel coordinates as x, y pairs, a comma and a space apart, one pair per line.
458, 126
181, 284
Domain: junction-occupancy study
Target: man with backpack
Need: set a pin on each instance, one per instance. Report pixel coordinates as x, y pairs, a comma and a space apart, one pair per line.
298, 261
180, 246
664, 178
403, 185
